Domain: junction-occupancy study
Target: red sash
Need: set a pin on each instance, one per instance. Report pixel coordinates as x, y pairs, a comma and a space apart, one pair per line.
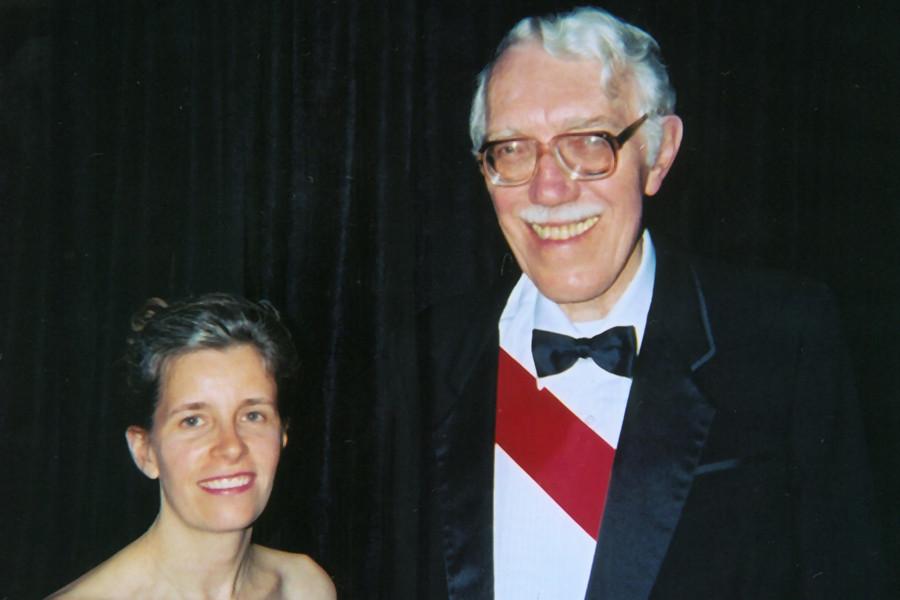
565, 457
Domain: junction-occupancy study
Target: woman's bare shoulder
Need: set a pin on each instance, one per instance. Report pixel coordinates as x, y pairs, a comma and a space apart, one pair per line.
300, 575
116, 577
87, 586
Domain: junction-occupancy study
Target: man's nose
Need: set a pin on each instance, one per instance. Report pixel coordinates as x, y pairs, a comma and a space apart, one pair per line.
229, 444
551, 184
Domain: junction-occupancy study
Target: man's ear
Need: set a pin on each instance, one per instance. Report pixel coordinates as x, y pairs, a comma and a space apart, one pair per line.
672, 130
141, 451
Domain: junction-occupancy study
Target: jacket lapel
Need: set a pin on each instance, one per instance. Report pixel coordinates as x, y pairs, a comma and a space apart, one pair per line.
464, 448
663, 434
463, 441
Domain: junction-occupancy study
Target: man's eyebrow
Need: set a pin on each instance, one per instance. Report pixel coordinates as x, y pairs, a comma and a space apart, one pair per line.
590, 122
504, 134
575, 123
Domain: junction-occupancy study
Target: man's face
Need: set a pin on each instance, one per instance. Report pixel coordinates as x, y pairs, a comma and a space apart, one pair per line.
578, 241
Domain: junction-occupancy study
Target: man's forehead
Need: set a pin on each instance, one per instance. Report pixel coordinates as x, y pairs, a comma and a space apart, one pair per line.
528, 85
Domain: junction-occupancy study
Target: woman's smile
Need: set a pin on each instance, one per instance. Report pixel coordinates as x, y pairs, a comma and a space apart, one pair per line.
229, 484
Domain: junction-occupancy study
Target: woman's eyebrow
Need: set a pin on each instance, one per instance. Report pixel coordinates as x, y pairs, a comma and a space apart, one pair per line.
188, 407
257, 401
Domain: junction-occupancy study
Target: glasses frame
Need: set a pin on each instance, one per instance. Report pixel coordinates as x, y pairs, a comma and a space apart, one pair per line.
615, 142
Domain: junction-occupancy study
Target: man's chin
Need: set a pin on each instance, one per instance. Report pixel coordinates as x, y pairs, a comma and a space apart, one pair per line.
569, 294
581, 300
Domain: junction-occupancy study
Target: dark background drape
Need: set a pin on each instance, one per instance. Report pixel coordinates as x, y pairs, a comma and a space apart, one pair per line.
315, 154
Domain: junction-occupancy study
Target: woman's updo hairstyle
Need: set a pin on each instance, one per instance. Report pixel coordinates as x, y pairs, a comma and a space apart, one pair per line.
163, 331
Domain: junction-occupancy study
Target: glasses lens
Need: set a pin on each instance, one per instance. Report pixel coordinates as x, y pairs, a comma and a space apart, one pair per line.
586, 154
511, 161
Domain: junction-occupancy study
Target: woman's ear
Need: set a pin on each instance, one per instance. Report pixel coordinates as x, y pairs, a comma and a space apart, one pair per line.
285, 425
141, 451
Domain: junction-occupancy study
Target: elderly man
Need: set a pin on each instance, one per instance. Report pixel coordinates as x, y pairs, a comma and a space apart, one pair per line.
619, 420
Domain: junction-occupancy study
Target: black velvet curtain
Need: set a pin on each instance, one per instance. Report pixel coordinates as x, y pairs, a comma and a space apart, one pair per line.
315, 154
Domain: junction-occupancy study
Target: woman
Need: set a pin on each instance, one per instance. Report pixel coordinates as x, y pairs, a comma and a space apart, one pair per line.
208, 371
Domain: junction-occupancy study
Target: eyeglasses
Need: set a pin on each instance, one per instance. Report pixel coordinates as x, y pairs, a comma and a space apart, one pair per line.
582, 154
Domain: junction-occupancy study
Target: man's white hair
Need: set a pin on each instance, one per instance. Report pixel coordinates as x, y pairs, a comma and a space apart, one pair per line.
624, 53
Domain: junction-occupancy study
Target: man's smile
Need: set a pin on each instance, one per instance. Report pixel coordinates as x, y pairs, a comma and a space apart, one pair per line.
565, 231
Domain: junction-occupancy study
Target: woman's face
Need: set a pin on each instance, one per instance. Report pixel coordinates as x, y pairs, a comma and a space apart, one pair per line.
216, 438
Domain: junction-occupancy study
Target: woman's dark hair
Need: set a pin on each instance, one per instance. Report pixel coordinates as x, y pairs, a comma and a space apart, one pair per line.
163, 331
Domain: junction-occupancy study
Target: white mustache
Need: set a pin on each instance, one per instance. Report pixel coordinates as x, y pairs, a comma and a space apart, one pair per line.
564, 213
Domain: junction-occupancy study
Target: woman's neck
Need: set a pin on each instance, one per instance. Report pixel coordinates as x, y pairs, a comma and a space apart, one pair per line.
198, 564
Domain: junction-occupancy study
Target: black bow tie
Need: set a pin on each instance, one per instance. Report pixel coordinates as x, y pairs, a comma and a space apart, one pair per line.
613, 350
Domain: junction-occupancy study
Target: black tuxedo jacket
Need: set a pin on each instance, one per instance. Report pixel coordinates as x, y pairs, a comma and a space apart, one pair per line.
740, 470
